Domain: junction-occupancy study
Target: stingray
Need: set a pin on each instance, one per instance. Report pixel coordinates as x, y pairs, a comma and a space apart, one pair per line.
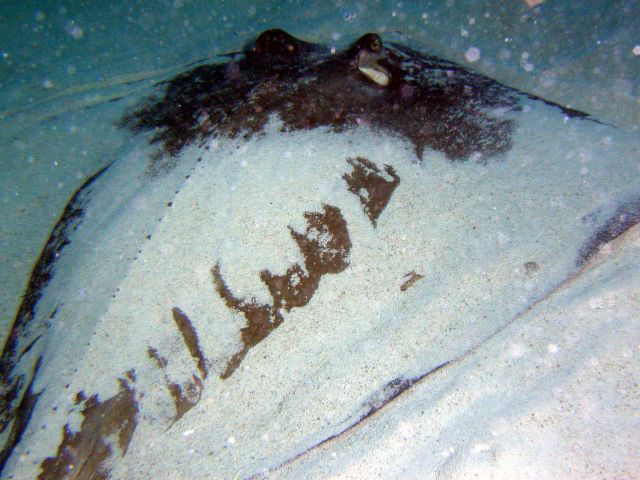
298, 237
433, 103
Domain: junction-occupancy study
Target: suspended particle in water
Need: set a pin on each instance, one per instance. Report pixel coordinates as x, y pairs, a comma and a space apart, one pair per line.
73, 29
349, 16
472, 54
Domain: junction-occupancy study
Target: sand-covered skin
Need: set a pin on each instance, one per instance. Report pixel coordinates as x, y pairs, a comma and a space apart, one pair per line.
570, 367
469, 228
64, 63
457, 252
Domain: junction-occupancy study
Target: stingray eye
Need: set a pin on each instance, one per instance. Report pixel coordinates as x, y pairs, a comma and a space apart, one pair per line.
376, 44
291, 48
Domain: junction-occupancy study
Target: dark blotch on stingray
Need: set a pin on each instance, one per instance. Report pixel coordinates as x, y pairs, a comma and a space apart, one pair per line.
325, 246
411, 279
433, 103
106, 425
185, 396
190, 337
367, 182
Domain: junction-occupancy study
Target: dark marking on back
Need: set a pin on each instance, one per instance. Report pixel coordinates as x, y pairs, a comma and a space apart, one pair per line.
410, 280
325, 246
369, 184
158, 359
190, 337
431, 102
89, 452
185, 396
260, 320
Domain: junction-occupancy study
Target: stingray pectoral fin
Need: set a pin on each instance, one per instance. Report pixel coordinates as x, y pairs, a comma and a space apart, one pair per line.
376, 75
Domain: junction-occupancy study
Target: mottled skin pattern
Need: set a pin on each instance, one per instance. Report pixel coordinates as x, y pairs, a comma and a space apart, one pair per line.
435, 104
